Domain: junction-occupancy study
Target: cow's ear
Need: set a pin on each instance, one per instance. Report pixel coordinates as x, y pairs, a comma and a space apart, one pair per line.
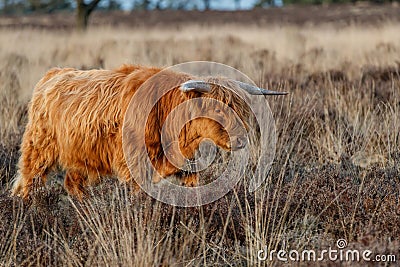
195, 86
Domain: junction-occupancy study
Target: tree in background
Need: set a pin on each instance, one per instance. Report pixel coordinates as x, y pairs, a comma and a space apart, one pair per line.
37, 6
83, 11
207, 4
175, 4
47, 6
84, 8
12, 7
113, 5
142, 4
265, 3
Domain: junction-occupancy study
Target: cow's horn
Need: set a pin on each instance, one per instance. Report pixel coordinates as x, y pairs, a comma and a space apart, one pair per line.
254, 90
197, 86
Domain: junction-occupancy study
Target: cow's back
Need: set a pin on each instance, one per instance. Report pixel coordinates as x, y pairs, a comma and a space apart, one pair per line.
80, 113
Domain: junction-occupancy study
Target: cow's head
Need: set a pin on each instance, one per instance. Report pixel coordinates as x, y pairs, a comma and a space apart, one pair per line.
224, 111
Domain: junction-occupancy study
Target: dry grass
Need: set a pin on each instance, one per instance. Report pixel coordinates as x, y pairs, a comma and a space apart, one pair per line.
336, 173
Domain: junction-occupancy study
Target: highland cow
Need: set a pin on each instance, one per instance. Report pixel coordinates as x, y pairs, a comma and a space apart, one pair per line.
76, 117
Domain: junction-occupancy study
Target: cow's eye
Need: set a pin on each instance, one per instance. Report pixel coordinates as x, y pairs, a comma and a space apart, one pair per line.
218, 110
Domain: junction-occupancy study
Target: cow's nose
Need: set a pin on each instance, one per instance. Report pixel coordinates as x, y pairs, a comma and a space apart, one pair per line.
239, 142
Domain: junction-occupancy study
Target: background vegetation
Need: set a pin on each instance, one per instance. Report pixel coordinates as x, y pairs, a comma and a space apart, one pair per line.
336, 172
83, 9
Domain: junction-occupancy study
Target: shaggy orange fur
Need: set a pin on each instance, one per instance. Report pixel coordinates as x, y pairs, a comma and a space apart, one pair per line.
76, 117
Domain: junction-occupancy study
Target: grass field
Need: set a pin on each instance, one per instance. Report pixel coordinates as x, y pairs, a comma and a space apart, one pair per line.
336, 173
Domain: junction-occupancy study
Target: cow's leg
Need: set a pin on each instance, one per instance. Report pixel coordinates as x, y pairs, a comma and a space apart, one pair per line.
74, 183
190, 180
189, 149
121, 170
34, 165
163, 168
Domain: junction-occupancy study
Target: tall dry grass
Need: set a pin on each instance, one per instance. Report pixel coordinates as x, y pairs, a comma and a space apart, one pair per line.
336, 171
252, 49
